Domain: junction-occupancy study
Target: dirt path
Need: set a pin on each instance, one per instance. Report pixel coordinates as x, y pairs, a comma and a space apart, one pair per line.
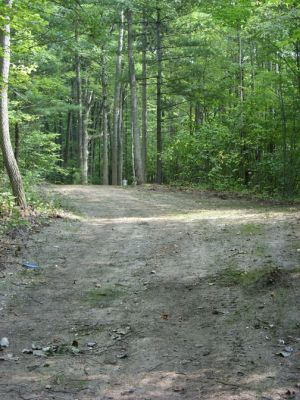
153, 294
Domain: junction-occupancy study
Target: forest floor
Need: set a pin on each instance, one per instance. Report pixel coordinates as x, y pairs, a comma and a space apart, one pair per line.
152, 293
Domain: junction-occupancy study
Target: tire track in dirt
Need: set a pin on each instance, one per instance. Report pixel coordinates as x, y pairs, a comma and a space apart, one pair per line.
152, 276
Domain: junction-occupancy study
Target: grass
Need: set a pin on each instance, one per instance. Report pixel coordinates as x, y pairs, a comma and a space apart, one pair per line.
69, 383
103, 296
259, 278
250, 229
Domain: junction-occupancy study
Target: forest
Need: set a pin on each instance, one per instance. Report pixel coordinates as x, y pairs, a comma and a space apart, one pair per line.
187, 92
149, 200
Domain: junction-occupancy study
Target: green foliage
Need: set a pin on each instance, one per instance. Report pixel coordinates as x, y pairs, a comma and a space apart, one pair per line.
206, 158
230, 90
40, 155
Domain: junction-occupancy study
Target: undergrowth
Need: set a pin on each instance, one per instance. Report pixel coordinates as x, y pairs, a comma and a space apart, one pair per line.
39, 208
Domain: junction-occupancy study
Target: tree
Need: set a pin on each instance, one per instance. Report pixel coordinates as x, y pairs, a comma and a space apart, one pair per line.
117, 108
138, 164
6, 146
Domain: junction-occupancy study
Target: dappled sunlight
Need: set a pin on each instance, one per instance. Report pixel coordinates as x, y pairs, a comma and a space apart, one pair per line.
172, 385
234, 216
163, 285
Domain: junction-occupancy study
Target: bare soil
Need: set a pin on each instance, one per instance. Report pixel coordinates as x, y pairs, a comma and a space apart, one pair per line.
147, 294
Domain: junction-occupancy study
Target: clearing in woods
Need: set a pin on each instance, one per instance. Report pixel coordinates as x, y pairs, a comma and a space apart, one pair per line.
154, 294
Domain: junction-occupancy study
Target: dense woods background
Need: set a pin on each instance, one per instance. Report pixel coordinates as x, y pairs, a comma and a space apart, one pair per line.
193, 92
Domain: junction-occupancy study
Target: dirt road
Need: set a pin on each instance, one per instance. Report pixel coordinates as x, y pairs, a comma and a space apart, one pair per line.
147, 294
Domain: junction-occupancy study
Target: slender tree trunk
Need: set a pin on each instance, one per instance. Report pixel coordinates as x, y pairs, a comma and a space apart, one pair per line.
297, 52
138, 164
6, 146
105, 172
158, 96
79, 104
144, 95
117, 101
68, 138
198, 116
17, 142
286, 181
85, 140
244, 154
120, 141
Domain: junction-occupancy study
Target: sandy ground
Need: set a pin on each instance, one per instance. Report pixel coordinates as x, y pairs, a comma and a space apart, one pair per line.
143, 295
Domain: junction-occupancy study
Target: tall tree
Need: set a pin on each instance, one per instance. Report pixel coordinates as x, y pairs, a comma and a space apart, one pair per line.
117, 104
144, 93
6, 146
138, 164
105, 166
159, 172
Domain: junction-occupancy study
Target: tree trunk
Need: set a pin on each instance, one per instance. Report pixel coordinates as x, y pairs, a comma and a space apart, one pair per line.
120, 142
138, 164
6, 146
144, 95
17, 141
105, 172
79, 104
68, 138
117, 101
85, 139
158, 96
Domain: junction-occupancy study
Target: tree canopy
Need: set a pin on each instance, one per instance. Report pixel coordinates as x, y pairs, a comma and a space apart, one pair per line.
183, 91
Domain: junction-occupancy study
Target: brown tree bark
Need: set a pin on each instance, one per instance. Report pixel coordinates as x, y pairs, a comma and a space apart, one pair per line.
79, 104
117, 101
85, 139
105, 172
159, 172
120, 141
144, 95
138, 164
6, 146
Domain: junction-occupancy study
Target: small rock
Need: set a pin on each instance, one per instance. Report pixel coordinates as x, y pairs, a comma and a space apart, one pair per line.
38, 353
123, 356
47, 349
48, 387
91, 344
4, 343
9, 357
36, 346
127, 392
27, 351
178, 389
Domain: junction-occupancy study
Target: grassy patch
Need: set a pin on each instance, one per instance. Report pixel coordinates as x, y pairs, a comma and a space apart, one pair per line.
260, 250
259, 278
102, 297
69, 383
250, 229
